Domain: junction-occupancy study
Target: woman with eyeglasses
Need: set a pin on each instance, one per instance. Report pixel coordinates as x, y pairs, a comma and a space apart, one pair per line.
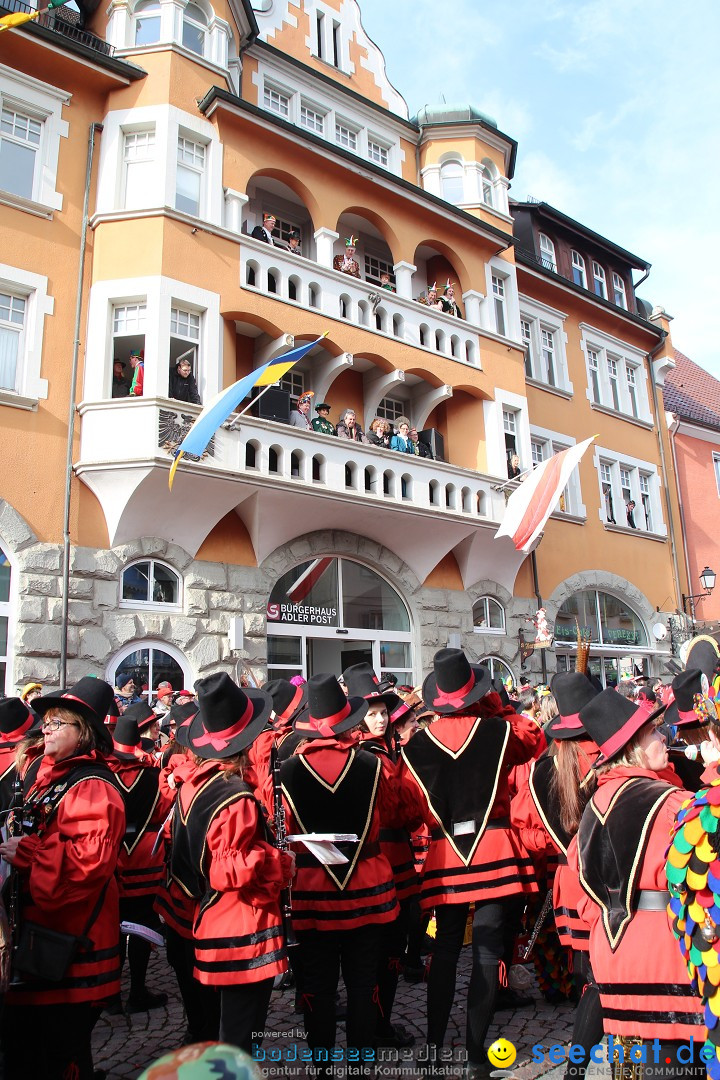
66, 864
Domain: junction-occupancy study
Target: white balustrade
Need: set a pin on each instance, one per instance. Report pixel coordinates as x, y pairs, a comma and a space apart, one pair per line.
292, 278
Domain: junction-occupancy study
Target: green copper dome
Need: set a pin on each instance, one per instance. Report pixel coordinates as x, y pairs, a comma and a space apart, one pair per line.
444, 113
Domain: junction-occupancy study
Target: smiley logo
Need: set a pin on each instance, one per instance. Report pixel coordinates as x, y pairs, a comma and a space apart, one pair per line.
502, 1054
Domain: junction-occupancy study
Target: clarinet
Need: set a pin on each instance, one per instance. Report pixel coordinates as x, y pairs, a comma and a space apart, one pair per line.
281, 844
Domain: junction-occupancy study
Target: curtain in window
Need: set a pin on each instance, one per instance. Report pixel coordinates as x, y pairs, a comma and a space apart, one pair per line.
8, 358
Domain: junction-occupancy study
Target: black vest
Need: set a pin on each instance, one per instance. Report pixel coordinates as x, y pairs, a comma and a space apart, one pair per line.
611, 848
141, 798
546, 802
190, 829
346, 806
460, 786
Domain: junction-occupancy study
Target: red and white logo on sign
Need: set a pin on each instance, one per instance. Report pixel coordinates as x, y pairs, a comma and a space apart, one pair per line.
273, 612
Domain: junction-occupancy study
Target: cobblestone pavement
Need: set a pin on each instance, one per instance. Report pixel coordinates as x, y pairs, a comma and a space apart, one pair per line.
125, 1045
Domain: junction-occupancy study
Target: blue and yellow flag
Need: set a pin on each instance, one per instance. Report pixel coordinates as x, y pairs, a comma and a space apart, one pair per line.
9, 22
223, 404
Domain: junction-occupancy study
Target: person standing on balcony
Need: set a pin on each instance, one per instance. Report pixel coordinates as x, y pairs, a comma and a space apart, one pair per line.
448, 301
294, 243
182, 383
379, 433
347, 263
348, 428
300, 417
137, 363
401, 440
385, 282
431, 298
321, 424
421, 448
264, 232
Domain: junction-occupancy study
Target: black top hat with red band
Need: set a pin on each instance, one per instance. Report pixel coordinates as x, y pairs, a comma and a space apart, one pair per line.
142, 714
17, 721
454, 682
90, 698
703, 652
612, 721
681, 712
361, 681
287, 699
329, 713
228, 719
126, 738
572, 691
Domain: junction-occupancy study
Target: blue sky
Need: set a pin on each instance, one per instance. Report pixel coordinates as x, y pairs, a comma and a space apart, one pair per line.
616, 111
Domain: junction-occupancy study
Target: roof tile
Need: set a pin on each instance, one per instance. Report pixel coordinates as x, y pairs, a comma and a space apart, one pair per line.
692, 393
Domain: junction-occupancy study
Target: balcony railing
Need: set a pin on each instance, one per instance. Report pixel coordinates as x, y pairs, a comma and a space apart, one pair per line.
275, 272
59, 22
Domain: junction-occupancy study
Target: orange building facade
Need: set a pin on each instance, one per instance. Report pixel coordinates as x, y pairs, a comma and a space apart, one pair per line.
138, 155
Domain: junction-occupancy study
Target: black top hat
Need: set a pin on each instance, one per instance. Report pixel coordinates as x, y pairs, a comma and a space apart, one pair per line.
17, 720
361, 681
287, 699
142, 714
454, 682
572, 691
611, 721
329, 713
91, 698
228, 718
322, 405
681, 712
182, 716
703, 653
126, 737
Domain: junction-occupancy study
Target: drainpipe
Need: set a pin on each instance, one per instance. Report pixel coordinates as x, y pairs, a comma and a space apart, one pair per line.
65, 586
663, 467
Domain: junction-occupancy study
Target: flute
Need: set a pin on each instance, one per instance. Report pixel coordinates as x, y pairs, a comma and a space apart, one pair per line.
281, 843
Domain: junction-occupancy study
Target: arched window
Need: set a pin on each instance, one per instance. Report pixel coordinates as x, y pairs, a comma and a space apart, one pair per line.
150, 663
328, 613
150, 584
486, 178
194, 29
452, 181
5, 582
488, 616
617, 636
498, 668
147, 22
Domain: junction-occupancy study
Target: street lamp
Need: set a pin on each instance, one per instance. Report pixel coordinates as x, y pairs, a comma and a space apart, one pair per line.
707, 580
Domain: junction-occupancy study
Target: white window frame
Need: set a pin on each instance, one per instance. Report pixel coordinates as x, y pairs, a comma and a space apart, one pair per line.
487, 186
547, 253
599, 279
542, 319
317, 111
490, 663
487, 601
455, 163
188, 143
343, 130
578, 264
613, 353
275, 95
294, 382
191, 338
328, 40
33, 288
383, 158
203, 26
144, 154
622, 468
151, 605
44, 102
160, 646
390, 409
619, 291
150, 9
716, 467
8, 611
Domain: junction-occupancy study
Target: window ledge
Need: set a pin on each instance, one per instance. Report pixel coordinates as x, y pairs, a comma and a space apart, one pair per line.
627, 531
647, 424
17, 401
494, 630
574, 519
28, 205
176, 47
557, 390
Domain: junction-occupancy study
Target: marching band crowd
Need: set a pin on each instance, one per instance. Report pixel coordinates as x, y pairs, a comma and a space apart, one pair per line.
322, 826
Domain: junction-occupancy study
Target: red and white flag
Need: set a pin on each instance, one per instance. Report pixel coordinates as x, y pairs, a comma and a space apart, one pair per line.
529, 507
301, 589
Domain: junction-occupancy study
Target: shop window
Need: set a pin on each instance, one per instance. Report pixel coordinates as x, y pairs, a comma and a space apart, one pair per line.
602, 619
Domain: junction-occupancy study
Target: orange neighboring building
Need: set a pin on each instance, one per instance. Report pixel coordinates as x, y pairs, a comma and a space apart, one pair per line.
169, 128
692, 396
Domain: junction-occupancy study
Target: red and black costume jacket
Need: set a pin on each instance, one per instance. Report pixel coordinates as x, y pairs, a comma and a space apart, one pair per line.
140, 871
460, 765
619, 854
173, 905
64, 866
223, 860
332, 786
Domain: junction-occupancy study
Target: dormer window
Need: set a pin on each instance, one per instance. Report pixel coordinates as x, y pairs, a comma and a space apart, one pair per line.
599, 280
195, 24
147, 22
547, 253
619, 291
578, 270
